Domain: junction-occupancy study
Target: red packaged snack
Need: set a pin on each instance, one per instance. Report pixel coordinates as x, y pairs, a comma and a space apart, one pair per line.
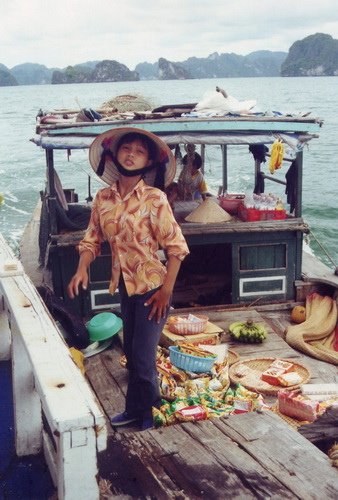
271, 376
190, 413
242, 406
294, 405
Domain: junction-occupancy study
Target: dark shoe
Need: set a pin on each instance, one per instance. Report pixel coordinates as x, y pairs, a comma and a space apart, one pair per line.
123, 419
147, 423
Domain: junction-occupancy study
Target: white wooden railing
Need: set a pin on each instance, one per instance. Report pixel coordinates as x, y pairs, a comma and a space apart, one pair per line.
48, 387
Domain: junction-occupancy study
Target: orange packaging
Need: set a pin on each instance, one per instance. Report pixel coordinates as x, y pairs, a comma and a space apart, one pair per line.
271, 375
279, 364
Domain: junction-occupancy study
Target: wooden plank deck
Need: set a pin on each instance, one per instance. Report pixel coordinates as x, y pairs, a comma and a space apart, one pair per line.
254, 455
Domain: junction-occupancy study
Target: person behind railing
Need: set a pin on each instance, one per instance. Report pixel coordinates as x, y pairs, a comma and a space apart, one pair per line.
191, 182
135, 217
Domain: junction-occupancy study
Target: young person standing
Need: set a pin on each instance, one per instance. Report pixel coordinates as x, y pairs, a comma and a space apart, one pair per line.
135, 217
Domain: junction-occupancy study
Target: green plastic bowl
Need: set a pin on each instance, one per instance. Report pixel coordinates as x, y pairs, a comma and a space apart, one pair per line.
103, 326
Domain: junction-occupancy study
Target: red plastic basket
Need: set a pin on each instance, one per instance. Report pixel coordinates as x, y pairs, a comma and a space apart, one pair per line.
252, 214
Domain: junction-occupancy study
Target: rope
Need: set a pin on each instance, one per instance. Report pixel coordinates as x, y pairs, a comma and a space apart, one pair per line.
325, 251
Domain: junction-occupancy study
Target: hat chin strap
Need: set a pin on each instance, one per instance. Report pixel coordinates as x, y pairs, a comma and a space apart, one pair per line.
132, 173
160, 174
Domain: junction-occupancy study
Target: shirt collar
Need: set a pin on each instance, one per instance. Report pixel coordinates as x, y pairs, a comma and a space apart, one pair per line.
138, 189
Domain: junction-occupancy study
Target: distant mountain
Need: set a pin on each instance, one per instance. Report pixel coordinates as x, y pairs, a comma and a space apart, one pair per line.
260, 63
315, 55
88, 64
104, 71
171, 71
265, 62
32, 74
113, 71
71, 74
6, 78
147, 71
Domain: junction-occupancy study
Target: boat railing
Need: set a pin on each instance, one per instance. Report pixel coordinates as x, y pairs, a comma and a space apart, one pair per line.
55, 411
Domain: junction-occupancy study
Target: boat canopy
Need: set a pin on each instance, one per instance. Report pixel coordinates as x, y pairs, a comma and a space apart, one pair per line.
250, 130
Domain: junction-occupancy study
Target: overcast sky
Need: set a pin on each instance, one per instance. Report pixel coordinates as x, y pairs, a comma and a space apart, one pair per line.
58, 33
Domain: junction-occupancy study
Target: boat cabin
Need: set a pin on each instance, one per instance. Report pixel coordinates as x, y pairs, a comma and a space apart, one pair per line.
256, 256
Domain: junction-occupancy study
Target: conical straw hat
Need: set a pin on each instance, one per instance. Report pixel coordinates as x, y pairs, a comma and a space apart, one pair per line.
208, 211
109, 140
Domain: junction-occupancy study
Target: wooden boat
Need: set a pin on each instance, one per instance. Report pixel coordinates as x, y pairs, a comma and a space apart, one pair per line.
252, 455
245, 261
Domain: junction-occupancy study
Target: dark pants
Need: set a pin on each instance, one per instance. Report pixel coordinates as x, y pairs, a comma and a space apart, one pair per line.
140, 341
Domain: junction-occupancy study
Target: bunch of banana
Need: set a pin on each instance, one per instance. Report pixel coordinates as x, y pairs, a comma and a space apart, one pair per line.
276, 156
193, 350
248, 331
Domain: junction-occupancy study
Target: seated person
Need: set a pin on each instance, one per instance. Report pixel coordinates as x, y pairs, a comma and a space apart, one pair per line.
191, 183
172, 193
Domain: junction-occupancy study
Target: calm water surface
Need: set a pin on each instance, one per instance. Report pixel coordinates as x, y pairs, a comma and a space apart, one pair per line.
22, 164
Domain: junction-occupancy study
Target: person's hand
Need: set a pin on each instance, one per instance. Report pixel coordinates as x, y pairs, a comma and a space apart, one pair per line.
160, 301
79, 278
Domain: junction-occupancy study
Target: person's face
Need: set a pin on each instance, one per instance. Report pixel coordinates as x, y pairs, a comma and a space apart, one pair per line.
133, 155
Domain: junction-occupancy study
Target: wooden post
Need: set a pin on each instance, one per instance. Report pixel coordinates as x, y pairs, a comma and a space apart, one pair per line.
50, 172
5, 338
27, 407
203, 158
257, 171
76, 464
299, 163
51, 193
225, 167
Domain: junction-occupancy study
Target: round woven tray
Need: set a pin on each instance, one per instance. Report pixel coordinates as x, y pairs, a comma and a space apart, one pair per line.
233, 357
255, 367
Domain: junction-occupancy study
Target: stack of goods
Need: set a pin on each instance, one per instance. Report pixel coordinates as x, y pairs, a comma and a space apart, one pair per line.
258, 207
192, 328
268, 375
296, 405
193, 396
281, 373
203, 404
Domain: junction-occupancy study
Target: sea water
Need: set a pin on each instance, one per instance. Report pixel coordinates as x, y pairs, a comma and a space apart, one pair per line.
22, 163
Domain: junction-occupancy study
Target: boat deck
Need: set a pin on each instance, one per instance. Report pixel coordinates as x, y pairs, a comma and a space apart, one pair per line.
253, 455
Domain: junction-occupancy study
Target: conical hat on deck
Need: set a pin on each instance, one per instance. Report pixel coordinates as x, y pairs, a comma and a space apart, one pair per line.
208, 212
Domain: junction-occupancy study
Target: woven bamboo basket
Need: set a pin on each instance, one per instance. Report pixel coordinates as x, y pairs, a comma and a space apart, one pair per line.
189, 327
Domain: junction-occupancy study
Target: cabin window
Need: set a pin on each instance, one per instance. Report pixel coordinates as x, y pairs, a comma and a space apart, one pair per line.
102, 299
254, 257
273, 285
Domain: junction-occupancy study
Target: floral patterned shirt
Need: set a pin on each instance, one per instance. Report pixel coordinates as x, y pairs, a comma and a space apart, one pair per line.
135, 227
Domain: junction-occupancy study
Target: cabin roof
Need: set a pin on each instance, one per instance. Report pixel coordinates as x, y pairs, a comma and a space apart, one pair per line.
54, 131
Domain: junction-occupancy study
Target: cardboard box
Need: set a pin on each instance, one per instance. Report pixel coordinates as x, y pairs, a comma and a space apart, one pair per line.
211, 336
